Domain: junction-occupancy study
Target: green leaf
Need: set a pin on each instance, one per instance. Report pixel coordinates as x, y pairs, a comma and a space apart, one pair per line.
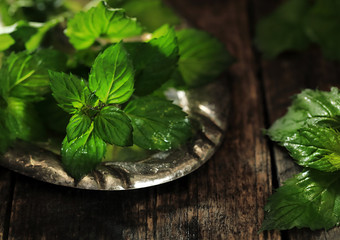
51, 59
6, 41
151, 13
78, 125
310, 199
23, 121
283, 29
112, 75
86, 27
157, 124
155, 60
315, 147
113, 126
322, 26
81, 155
25, 76
202, 57
309, 107
69, 91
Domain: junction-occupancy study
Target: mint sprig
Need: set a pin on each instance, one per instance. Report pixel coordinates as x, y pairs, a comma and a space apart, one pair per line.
23, 81
112, 76
107, 83
100, 21
81, 155
113, 126
152, 14
98, 117
310, 132
155, 60
157, 123
309, 199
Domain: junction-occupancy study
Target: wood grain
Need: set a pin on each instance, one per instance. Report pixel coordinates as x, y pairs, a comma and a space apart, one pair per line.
5, 201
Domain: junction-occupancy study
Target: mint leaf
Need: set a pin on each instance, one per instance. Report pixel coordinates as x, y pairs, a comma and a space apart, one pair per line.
152, 14
112, 75
157, 124
6, 41
202, 57
113, 126
51, 59
155, 60
310, 199
283, 29
78, 125
309, 107
69, 91
25, 76
22, 120
81, 155
86, 27
322, 26
315, 147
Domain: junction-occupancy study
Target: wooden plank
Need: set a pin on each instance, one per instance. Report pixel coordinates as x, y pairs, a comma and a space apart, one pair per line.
5, 201
284, 77
222, 200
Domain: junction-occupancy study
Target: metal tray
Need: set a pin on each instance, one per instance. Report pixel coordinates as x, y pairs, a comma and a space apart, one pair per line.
208, 106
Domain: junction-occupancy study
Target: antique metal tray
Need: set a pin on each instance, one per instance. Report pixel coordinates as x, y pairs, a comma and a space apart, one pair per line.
208, 106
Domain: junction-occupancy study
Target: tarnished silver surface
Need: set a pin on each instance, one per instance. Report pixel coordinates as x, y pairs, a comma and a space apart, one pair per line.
208, 106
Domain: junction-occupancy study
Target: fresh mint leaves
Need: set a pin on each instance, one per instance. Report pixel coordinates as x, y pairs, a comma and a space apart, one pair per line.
103, 73
157, 123
23, 80
315, 147
155, 60
81, 155
202, 57
310, 132
22, 120
309, 107
78, 125
113, 126
298, 23
69, 91
151, 123
151, 13
101, 21
6, 41
310, 199
112, 76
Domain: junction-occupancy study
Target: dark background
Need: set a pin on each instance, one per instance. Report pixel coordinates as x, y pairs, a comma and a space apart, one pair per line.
224, 199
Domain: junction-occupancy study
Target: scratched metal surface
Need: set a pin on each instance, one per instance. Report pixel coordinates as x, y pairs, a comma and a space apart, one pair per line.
209, 106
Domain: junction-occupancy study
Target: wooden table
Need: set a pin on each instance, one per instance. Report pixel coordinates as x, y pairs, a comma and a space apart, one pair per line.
224, 199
